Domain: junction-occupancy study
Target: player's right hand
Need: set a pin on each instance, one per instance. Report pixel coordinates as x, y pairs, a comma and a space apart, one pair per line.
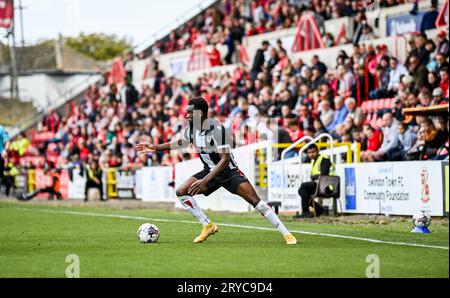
145, 148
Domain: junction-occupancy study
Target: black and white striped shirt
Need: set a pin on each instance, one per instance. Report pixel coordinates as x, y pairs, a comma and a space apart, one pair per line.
208, 143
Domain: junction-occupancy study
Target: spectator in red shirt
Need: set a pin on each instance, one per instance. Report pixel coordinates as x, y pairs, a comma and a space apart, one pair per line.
214, 57
84, 151
293, 129
52, 121
373, 138
444, 84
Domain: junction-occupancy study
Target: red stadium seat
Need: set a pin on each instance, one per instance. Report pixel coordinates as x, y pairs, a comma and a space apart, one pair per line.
42, 137
392, 102
364, 106
368, 117
51, 148
370, 108
378, 105
387, 103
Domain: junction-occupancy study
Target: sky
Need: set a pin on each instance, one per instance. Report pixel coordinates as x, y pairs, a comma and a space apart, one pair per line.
136, 19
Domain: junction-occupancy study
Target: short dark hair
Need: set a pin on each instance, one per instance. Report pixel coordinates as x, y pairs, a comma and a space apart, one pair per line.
312, 146
265, 43
199, 103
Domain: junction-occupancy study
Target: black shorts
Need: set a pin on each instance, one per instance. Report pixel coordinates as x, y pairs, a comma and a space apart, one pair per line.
229, 179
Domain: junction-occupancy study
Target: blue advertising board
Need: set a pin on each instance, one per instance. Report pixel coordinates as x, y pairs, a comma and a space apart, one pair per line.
404, 24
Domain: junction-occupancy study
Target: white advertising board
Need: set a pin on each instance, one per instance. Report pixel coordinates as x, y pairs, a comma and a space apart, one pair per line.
152, 184
293, 179
398, 188
77, 186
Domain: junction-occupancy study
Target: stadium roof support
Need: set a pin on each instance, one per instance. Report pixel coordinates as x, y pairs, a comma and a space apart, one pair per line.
308, 35
442, 18
199, 56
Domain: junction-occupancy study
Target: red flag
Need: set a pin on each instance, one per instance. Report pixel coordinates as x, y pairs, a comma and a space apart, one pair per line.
6, 13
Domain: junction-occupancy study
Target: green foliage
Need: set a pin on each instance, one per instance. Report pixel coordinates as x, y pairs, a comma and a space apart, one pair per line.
98, 46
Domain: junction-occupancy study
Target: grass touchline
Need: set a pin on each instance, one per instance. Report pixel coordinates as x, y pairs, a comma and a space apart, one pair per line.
236, 226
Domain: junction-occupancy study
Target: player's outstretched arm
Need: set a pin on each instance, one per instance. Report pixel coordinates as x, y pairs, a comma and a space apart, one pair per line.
146, 148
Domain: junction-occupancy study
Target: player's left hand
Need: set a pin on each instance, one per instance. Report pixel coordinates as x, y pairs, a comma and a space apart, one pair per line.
197, 187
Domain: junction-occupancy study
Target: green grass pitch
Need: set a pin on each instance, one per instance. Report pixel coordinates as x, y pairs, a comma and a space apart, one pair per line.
35, 240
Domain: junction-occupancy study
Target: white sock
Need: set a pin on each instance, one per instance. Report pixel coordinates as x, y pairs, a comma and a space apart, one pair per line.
270, 215
190, 205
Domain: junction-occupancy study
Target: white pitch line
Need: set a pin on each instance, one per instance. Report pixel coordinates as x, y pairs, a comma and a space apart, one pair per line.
237, 226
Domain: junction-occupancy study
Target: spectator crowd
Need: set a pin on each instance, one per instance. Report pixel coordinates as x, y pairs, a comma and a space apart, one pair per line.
232, 20
304, 97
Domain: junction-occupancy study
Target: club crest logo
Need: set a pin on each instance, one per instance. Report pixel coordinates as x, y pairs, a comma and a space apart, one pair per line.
425, 192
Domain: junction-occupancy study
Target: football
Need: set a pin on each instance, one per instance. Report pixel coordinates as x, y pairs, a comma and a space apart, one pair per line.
148, 233
421, 219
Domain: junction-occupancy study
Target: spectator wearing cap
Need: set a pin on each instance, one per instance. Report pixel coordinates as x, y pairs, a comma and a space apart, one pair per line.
442, 43
408, 82
438, 97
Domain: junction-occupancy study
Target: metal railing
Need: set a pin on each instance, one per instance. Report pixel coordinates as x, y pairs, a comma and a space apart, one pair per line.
312, 141
352, 153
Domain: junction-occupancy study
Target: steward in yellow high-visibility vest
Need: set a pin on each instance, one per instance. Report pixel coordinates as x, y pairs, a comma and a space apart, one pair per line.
320, 165
94, 179
9, 178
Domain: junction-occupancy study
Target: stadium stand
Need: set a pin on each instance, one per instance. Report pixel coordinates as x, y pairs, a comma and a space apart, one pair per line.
228, 21
306, 98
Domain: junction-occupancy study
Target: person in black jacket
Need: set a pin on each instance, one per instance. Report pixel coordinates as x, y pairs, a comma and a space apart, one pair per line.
131, 94
259, 60
94, 179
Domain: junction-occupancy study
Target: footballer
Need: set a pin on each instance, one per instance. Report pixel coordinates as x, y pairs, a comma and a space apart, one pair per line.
210, 140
